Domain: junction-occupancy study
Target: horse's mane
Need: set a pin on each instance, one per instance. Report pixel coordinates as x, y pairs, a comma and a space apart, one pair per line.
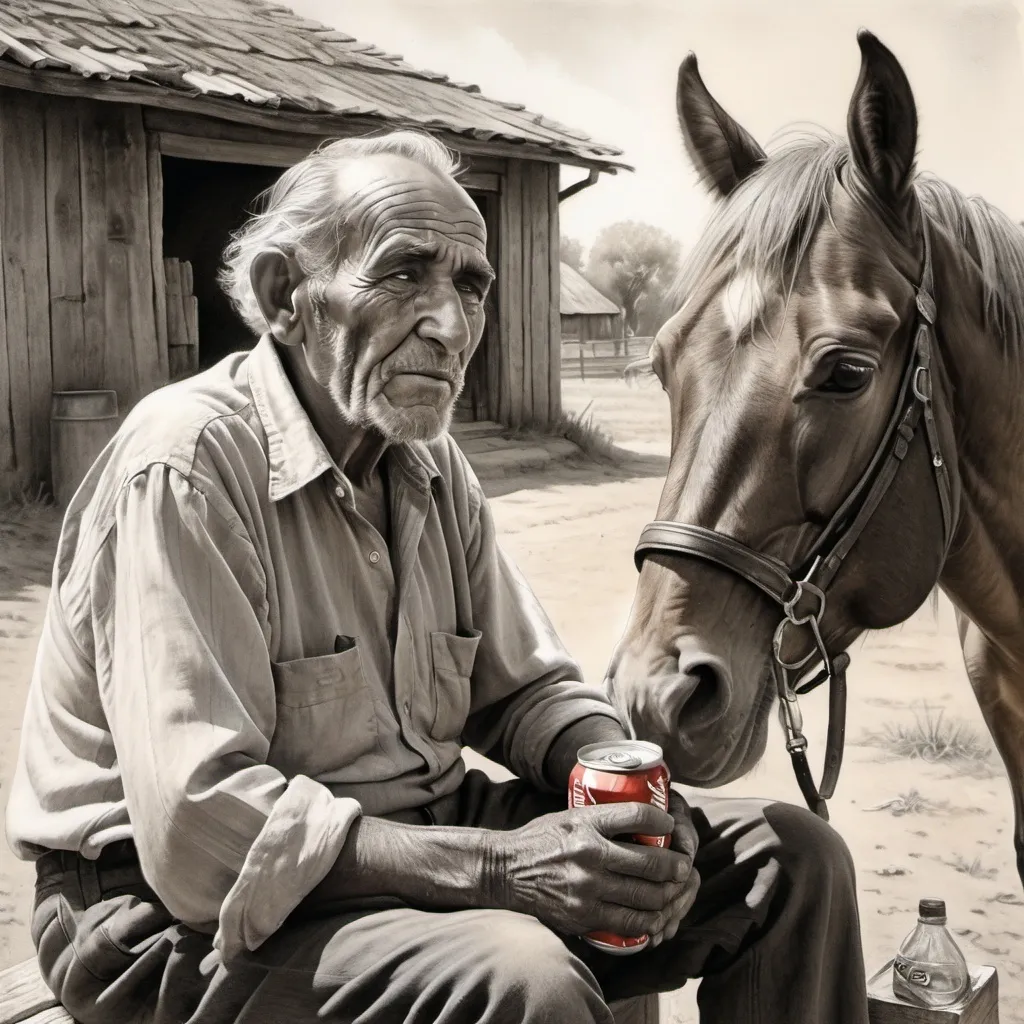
766, 226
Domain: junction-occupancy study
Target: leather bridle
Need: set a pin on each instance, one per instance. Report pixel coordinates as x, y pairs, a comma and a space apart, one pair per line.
801, 592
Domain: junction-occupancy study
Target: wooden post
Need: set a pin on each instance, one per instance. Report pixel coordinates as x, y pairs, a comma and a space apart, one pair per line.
583, 374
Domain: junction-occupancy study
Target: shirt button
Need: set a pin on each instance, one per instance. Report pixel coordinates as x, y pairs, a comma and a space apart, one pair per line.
339, 491
374, 557
405, 707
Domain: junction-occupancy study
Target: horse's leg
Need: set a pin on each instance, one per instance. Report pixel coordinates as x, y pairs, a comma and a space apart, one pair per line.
998, 682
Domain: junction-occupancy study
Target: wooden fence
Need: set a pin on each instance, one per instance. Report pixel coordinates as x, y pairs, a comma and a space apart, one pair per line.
601, 360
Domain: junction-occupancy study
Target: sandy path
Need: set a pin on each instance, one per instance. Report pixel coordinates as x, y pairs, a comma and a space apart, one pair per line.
573, 533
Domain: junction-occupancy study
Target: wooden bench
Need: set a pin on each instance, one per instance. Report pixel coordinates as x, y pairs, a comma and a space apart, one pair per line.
25, 999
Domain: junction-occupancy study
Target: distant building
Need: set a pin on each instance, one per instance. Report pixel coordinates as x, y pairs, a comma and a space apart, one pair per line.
587, 315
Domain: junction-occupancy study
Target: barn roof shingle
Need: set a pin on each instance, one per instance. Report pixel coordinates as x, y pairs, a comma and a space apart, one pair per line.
264, 55
578, 295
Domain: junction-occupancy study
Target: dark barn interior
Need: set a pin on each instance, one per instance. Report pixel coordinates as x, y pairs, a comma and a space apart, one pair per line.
204, 201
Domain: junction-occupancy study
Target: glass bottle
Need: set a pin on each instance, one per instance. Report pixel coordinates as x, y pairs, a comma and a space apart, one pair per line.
929, 969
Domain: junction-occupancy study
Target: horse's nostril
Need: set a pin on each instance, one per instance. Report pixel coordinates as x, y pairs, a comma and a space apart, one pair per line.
707, 696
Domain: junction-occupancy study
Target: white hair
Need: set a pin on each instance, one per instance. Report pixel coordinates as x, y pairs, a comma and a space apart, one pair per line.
301, 215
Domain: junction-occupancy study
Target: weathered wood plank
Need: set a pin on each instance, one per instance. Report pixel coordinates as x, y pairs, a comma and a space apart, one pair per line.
554, 297
23, 993
137, 246
64, 242
526, 382
8, 463
265, 154
91, 129
155, 183
181, 354
540, 294
120, 356
511, 280
492, 337
26, 282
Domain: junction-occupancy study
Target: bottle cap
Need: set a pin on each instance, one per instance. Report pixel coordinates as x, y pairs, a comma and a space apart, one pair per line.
932, 910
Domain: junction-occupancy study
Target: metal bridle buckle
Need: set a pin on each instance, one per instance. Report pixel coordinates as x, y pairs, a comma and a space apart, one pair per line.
792, 720
922, 394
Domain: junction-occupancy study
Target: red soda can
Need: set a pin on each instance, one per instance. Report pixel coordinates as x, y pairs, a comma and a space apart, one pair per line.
618, 772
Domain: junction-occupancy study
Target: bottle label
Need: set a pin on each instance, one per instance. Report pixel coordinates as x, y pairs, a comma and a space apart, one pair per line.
911, 972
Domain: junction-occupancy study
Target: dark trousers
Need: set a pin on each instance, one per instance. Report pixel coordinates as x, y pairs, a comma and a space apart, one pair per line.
774, 936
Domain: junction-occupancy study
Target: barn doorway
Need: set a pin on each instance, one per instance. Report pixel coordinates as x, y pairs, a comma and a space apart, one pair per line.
204, 201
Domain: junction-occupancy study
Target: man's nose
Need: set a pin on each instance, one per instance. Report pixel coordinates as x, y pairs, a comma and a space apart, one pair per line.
443, 319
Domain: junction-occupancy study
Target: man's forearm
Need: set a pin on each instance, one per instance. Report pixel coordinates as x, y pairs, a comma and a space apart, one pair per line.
561, 758
432, 867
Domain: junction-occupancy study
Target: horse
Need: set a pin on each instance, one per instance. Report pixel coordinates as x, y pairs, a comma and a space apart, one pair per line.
844, 378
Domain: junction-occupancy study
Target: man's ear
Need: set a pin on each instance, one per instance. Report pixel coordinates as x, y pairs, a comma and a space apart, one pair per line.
275, 280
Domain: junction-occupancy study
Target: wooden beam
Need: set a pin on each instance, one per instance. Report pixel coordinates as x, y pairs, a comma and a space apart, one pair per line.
64, 244
493, 336
554, 301
143, 338
91, 126
540, 291
155, 183
482, 182
526, 379
26, 282
120, 362
263, 154
8, 462
510, 280
60, 83
24, 995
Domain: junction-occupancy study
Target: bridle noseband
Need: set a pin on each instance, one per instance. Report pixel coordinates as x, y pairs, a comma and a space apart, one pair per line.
801, 592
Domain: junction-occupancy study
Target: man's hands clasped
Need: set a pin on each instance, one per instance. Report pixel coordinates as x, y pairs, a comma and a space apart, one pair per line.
569, 871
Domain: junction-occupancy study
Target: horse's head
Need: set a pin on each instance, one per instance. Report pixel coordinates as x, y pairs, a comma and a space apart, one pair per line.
783, 367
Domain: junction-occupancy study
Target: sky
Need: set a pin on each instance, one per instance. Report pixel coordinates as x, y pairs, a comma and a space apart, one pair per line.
608, 67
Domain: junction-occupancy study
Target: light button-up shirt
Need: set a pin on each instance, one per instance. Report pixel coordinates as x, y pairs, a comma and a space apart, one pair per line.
234, 664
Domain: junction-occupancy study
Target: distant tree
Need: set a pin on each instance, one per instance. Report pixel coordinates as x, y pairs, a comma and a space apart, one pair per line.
634, 264
572, 252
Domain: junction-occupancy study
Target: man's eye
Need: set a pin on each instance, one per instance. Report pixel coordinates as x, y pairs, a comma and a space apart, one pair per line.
401, 275
471, 289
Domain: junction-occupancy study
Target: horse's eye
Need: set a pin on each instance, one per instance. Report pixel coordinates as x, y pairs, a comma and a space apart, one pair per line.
847, 378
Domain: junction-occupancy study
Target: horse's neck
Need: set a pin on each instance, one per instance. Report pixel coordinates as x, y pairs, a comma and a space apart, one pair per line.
985, 570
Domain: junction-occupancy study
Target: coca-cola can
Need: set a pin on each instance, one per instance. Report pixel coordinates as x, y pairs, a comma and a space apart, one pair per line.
621, 771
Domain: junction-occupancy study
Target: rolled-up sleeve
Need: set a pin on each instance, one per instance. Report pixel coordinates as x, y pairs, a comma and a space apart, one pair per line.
526, 689
228, 843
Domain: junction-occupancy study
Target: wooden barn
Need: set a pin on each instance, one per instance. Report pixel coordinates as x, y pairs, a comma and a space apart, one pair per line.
586, 314
135, 135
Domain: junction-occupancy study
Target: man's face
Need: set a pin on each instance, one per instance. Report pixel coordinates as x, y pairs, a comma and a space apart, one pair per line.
396, 325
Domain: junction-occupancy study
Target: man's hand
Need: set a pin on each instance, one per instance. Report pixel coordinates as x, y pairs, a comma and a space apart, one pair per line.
684, 841
567, 870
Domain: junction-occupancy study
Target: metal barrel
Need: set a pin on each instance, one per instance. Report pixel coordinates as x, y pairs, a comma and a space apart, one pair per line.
81, 425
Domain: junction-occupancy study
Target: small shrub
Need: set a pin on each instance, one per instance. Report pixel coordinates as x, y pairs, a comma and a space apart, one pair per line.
910, 802
934, 739
972, 868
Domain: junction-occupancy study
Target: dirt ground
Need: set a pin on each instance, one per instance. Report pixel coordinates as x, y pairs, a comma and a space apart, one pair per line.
917, 825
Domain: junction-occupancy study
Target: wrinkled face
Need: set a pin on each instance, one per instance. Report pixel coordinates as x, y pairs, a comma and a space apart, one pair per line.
776, 412
404, 311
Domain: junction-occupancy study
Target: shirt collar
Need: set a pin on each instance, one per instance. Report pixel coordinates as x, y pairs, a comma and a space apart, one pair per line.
295, 451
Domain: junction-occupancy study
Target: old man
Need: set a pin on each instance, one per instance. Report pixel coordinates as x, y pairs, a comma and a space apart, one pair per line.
279, 609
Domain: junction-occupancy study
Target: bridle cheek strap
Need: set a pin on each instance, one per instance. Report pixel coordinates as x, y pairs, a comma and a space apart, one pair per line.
801, 594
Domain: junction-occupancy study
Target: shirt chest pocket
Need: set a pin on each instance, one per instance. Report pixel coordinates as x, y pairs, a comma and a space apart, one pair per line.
452, 657
325, 714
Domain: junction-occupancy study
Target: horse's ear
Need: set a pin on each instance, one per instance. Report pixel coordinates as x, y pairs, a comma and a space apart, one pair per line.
723, 152
882, 123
